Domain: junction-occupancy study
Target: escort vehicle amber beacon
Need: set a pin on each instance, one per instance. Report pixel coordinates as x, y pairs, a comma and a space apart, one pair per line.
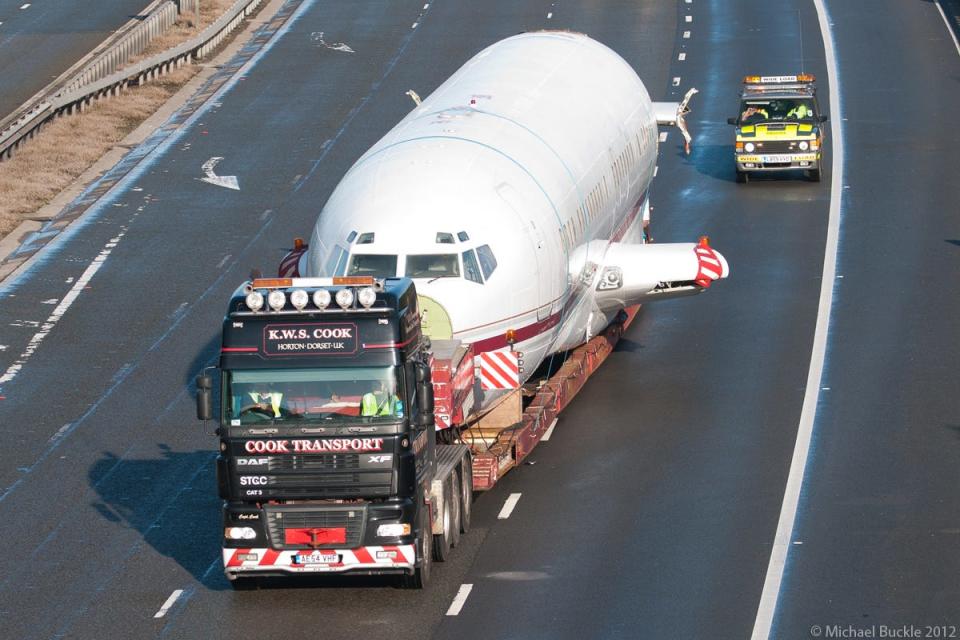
779, 126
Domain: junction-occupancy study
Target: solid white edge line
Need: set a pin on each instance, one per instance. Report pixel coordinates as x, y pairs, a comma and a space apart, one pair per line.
546, 436
791, 497
169, 603
459, 600
508, 506
946, 21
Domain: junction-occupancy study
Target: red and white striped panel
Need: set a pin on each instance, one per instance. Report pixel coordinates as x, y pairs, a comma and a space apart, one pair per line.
499, 369
710, 268
403, 556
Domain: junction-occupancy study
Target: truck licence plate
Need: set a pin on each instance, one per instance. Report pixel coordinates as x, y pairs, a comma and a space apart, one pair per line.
777, 158
317, 557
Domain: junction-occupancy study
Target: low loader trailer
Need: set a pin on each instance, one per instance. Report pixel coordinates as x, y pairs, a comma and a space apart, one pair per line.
349, 442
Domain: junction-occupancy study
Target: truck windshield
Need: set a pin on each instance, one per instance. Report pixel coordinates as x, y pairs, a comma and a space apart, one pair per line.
366, 394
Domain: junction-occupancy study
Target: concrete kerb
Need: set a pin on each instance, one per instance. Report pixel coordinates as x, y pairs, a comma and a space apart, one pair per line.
10, 243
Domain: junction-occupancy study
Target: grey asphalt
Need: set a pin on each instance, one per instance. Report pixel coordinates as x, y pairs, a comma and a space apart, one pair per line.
41, 41
651, 511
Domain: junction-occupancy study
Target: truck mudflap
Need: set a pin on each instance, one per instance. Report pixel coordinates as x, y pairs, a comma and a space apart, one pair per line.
320, 560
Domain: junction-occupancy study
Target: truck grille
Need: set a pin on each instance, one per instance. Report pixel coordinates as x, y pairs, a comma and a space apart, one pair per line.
281, 519
335, 462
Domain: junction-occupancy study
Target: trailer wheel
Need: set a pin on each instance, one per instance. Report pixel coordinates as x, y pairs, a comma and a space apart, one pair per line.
442, 541
466, 494
421, 576
455, 508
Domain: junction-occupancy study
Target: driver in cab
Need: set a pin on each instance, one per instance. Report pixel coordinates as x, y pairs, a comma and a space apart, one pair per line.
266, 400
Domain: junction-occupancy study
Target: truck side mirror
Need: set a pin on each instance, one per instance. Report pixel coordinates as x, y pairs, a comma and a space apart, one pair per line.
204, 397
424, 388
731, 121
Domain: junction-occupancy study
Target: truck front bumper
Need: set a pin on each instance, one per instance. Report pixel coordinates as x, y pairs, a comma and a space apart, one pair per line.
777, 161
367, 560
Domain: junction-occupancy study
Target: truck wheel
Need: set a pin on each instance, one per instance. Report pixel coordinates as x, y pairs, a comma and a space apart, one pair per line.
443, 540
814, 175
421, 576
466, 495
455, 507
742, 176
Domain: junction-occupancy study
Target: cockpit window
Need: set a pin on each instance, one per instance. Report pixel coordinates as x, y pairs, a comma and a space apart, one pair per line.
370, 264
471, 271
487, 261
366, 238
444, 237
442, 265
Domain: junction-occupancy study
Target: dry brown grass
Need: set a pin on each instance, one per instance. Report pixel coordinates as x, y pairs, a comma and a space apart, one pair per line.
68, 146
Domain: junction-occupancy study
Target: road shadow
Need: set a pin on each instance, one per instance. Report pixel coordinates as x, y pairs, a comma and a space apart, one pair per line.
955, 243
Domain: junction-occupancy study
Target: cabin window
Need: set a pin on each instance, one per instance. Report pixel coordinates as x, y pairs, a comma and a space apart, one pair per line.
462, 236
370, 264
444, 238
366, 238
353, 234
433, 265
471, 270
487, 261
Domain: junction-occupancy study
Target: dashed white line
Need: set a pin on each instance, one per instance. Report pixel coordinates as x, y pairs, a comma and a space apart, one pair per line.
459, 600
224, 261
686, 35
414, 25
681, 57
688, 18
546, 436
676, 81
426, 6
26, 6
945, 20
663, 136
772, 584
60, 309
169, 603
508, 506
549, 15
655, 169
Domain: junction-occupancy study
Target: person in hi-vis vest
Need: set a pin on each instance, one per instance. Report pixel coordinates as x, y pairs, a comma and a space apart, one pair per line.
378, 402
267, 400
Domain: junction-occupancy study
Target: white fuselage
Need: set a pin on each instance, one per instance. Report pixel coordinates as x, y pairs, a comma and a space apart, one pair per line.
539, 151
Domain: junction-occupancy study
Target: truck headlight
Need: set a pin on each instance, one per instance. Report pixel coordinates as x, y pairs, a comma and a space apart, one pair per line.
345, 298
276, 300
367, 296
239, 533
321, 298
254, 301
393, 530
803, 145
299, 299
749, 147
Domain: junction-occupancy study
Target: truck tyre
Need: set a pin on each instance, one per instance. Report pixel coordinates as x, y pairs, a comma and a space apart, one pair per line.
466, 494
742, 176
456, 508
421, 575
444, 540
814, 175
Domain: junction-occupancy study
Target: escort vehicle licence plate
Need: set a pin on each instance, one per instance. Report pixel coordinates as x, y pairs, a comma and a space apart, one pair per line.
778, 158
317, 557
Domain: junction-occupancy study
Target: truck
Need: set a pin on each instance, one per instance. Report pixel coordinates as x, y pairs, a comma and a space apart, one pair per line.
780, 126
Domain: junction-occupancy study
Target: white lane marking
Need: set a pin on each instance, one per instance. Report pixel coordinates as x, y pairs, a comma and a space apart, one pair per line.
945, 21
426, 6
169, 603
682, 56
546, 436
60, 309
224, 261
414, 25
791, 496
686, 35
459, 600
549, 15
656, 168
51, 301
228, 182
663, 136
508, 506
26, 6
676, 81
688, 18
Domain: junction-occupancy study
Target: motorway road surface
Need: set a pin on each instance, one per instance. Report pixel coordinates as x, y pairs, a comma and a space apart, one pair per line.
40, 39
652, 510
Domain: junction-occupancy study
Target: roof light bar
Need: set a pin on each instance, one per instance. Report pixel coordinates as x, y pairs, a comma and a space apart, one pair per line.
354, 281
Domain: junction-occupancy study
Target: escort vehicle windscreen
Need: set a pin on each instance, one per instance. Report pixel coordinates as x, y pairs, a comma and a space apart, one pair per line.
760, 110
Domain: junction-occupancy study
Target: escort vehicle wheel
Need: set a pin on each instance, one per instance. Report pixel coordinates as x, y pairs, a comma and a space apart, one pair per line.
443, 541
421, 576
466, 495
455, 509
813, 175
742, 176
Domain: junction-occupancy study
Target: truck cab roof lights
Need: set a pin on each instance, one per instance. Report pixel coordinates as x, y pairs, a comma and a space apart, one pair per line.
299, 299
345, 298
367, 296
277, 299
321, 298
271, 283
354, 281
254, 301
